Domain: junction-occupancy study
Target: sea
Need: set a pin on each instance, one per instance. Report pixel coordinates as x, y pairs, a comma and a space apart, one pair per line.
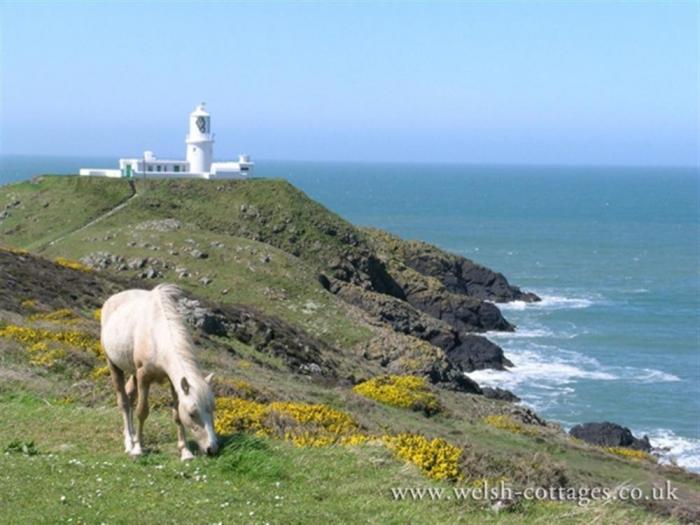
614, 253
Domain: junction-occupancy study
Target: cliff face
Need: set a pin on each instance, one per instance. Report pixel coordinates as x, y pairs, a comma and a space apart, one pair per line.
411, 288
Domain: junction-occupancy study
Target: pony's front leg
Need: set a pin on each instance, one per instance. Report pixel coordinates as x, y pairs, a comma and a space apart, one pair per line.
124, 404
185, 453
142, 386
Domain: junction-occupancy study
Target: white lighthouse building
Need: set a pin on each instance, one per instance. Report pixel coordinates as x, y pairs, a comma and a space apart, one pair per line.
199, 161
200, 141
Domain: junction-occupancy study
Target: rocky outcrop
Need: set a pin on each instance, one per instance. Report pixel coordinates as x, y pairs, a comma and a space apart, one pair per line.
461, 275
465, 353
476, 353
402, 354
608, 434
500, 394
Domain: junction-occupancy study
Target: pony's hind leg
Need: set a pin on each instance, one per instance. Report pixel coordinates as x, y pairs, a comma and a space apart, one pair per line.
143, 384
124, 404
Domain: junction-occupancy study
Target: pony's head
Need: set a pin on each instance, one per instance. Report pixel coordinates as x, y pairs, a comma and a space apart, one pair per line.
196, 412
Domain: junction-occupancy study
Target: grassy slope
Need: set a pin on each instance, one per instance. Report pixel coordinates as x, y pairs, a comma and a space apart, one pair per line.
285, 286
353, 487
251, 481
53, 208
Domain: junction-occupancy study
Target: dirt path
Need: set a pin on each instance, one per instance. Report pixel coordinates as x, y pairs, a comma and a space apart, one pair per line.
109, 213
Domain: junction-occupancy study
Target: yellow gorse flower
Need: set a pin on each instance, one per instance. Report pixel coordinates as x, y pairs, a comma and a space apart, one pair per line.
511, 425
73, 265
31, 336
400, 391
318, 425
436, 457
637, 455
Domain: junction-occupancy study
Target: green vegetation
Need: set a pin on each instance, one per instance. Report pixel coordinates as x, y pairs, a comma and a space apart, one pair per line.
252, 480
298, 447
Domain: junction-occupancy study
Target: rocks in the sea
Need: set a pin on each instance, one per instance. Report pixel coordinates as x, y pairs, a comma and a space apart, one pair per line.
475, 352
606, 434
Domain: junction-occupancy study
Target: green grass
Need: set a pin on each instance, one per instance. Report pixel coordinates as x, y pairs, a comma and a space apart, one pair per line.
54, 206
80, 475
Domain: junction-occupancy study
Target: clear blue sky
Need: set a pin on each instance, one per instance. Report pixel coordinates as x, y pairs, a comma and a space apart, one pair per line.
495, 82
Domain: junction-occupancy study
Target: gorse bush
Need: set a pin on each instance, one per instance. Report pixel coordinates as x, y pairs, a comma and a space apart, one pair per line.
44, 346
511, 425
73, 265
63, 315
304, 424
400, 391
638, 455
318, 425
436, 457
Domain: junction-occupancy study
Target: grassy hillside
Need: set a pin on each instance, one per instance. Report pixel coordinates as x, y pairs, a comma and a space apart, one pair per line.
305, 438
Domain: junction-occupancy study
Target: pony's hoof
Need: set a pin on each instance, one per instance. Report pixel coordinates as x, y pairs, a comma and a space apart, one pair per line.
186, 455
136, 451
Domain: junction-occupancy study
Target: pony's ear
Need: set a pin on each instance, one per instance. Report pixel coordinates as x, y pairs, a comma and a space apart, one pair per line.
209, 378
185, 385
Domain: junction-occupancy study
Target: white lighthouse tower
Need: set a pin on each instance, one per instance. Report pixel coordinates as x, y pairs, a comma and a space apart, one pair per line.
199, 163
200, 141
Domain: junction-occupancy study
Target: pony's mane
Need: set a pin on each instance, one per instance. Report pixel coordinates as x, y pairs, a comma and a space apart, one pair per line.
167, 297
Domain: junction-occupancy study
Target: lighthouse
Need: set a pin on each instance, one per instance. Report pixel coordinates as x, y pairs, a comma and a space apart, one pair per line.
200, 141
198, 164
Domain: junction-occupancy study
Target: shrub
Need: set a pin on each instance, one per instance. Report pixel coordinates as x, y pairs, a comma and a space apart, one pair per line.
508, 423
16, 251
303, 424
65, 315
400, 391
31, 336
97, 315
73, 265
437, 458
637, 455
99, 371
29, 304
317, 425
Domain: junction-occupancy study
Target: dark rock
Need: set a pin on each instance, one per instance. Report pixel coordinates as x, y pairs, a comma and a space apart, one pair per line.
137, 263
461, 275
475, 352
608, 434
500, 394
102, 260
150, 273
202, 318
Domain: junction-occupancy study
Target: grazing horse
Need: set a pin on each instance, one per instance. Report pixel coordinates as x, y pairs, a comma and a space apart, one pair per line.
144, 337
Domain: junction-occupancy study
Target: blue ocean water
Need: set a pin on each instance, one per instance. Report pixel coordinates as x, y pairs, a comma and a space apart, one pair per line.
613, 252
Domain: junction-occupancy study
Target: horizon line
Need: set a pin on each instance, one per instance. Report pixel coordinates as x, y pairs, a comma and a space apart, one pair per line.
406, 162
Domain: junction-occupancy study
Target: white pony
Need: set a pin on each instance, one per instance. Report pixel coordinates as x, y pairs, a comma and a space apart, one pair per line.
144, 336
